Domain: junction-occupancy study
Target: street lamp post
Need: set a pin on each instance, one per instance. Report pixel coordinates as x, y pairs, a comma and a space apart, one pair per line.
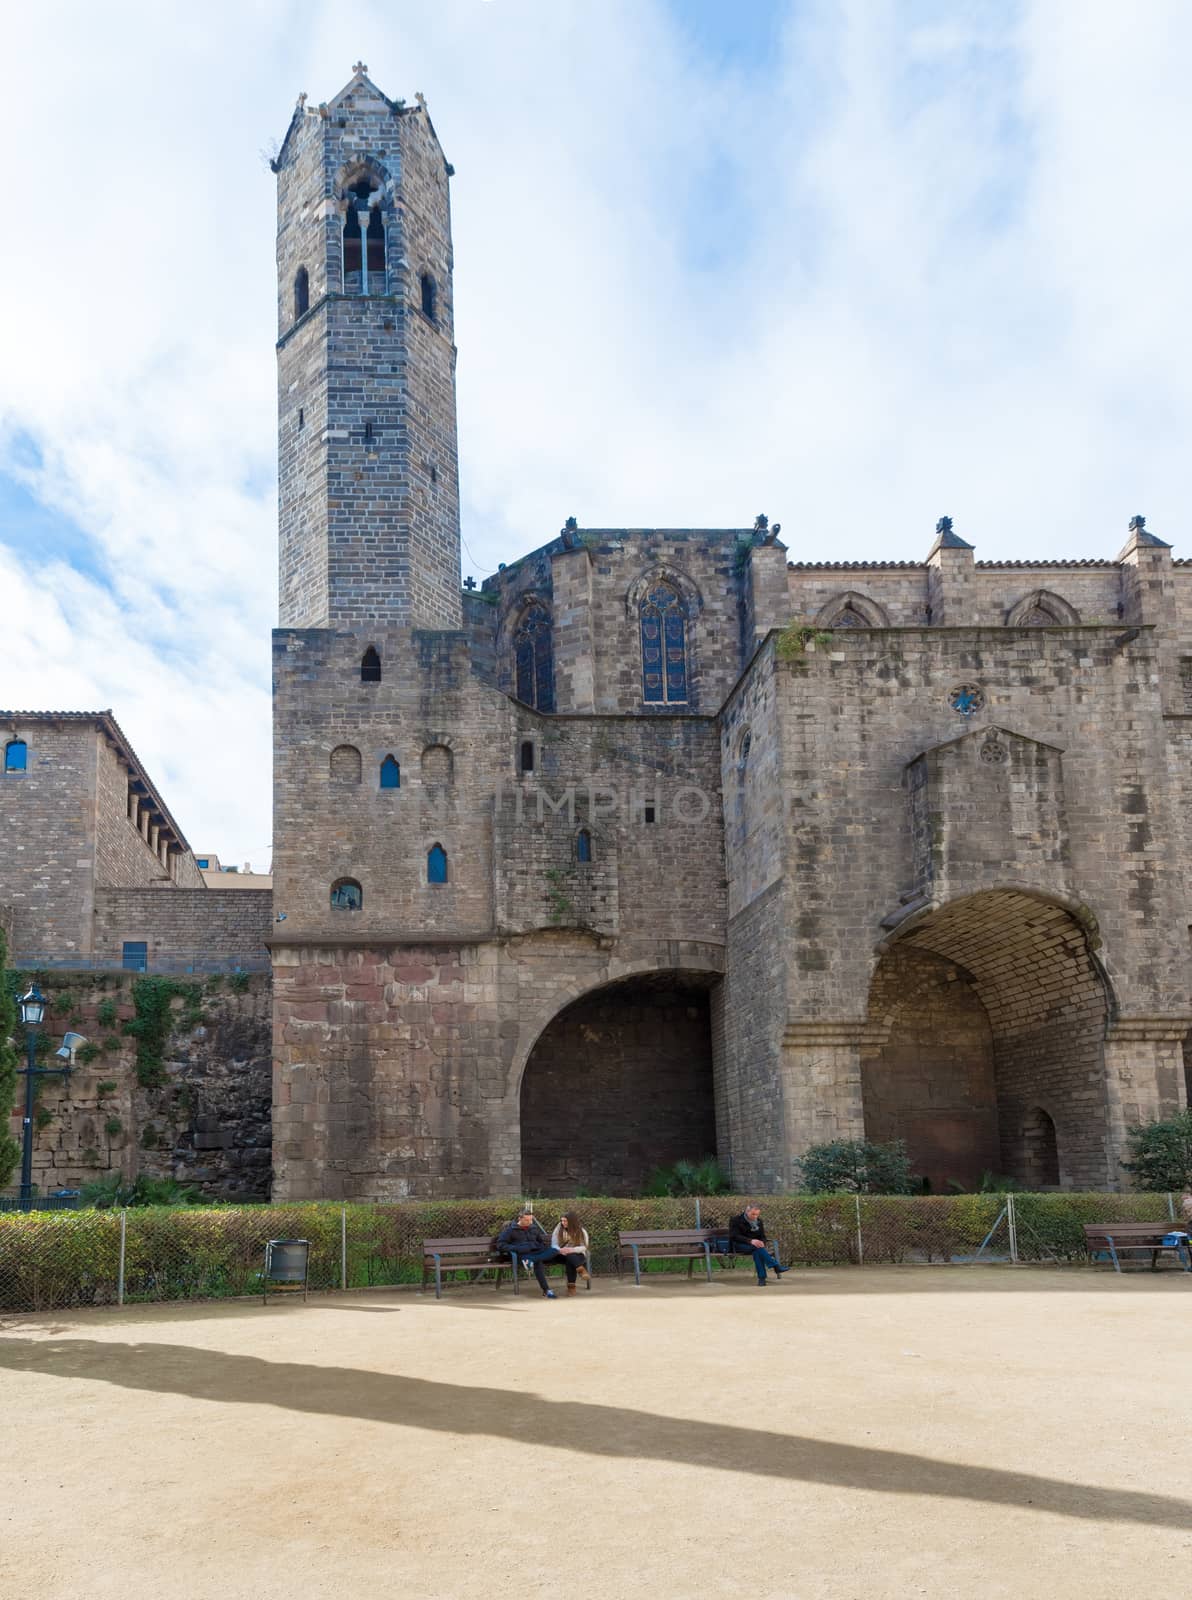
33, 1009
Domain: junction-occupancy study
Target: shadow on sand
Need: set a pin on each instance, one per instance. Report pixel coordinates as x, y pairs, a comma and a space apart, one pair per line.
588, 1429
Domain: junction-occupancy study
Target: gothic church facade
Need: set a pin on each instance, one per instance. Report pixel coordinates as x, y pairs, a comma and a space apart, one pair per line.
661, 842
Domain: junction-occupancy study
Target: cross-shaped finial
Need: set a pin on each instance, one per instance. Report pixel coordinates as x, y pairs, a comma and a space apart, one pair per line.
944, 525
361, 66
1137, 524
469, 583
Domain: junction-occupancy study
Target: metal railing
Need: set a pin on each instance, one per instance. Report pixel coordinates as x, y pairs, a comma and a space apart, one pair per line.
177, 964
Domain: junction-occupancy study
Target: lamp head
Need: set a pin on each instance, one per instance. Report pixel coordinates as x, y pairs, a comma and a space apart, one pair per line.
33, 1007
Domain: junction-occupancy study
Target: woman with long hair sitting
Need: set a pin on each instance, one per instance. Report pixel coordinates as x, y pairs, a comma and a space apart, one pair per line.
570, 1241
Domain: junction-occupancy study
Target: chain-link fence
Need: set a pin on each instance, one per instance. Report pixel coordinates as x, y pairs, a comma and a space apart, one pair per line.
57, 1259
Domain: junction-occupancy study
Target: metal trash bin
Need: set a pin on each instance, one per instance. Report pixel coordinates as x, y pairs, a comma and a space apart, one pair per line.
286, 1263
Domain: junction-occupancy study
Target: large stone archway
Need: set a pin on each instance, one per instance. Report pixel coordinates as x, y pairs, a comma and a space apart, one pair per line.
618, 1083
987, 1044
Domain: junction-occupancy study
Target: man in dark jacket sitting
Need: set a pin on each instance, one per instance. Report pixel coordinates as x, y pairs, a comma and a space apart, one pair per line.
524, 1240
747, 1237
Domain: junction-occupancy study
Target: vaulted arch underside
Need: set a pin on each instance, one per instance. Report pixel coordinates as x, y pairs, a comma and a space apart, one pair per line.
618, 1084
988, 1024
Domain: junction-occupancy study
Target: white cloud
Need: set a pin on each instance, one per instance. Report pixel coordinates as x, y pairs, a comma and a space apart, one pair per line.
921, 258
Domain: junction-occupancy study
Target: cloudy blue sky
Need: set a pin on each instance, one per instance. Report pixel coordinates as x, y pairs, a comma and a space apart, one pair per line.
855, 263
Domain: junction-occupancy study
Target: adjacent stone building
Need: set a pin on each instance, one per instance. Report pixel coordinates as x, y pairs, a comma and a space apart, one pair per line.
659, 841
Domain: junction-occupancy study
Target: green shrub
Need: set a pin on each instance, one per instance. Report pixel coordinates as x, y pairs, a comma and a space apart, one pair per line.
1162, 1154
113, 1190
113, 1127
857, 1166
705, 1176
105, 1013
186, 1251
105, 1088
87, 1053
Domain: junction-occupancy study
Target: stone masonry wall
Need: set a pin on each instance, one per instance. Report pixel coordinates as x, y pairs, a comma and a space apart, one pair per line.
510, 837
207, 1122
596, 639
123, 856
203, 925
398, 1069
47, 838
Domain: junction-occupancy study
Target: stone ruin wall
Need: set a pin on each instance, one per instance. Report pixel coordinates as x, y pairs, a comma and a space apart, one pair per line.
207, 1122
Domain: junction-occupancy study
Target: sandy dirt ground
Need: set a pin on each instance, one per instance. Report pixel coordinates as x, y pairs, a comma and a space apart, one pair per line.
979, 1432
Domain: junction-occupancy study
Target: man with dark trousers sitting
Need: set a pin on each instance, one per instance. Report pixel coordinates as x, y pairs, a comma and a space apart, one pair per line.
747, 1237
524, 1240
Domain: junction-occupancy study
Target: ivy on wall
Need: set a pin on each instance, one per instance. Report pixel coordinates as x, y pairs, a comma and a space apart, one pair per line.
151, 998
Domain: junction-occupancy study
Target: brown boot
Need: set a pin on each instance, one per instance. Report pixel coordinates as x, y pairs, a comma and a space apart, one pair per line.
570, 1288
583, 1272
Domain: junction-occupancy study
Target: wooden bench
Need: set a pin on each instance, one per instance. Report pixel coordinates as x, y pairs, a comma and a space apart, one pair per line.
667, 1244
474, 1255
1121, 1237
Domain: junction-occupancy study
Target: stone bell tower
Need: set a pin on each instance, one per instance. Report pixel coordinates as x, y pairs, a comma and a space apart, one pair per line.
368, 466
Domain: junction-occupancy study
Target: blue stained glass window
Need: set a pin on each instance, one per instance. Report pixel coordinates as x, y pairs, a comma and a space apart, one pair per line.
583, 845
664, 647
390, 774
203, 863
16, 756
436, 864
533, 656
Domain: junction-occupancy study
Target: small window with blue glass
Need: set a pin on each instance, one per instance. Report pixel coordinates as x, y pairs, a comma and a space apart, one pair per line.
583, 847
16, 755
436, 864
135, 955
390, 773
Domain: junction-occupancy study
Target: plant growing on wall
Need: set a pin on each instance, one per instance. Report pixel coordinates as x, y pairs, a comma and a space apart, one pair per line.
1162, 1154
155, 1018
792, 642
10, 1152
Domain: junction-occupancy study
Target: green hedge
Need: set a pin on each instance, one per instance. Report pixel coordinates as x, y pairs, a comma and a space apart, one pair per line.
60, 1258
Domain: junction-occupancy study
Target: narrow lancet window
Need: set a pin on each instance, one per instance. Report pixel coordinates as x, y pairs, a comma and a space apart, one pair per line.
533, 658
301, 292
427, 285
583, 847
390, 773
370, 666
664, 646
436, 864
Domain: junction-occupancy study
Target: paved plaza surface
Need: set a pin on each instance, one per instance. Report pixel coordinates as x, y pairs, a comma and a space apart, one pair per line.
964, 1432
